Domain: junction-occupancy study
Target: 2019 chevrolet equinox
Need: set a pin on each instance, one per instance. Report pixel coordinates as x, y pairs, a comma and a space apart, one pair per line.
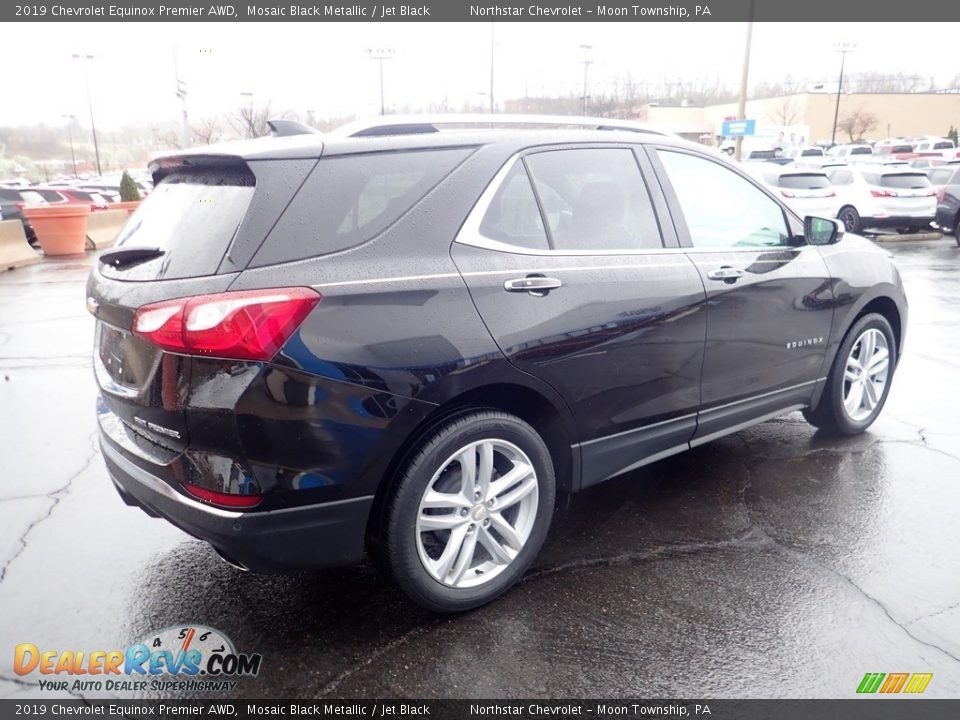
407, 339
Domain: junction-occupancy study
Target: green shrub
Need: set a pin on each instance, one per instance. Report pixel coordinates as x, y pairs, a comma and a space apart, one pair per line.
129, 191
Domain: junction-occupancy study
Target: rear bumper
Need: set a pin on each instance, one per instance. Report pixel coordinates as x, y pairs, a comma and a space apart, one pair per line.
286, 540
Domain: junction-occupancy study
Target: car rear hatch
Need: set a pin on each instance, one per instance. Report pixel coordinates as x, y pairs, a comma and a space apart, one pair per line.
907, 194
809, 193
177, 244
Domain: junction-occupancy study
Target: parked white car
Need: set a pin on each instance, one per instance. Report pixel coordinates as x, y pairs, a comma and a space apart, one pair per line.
808, 154
881, 196
944, 147
807, 191
850, 153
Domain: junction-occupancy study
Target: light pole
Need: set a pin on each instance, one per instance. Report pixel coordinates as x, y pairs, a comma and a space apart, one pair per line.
381, 54
182, 94
744, 77
492, 46
73, 156
842, 48
586, 64
251, 125
93, 127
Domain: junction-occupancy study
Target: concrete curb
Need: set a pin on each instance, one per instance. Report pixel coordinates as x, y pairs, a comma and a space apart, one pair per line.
15, 251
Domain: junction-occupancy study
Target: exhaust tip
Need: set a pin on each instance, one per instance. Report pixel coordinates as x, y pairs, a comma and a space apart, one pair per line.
229, 560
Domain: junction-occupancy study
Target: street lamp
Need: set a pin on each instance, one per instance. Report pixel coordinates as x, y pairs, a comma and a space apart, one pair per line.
586, 64
493, 44
71, 119
380, 54
251, 125
93, 127
842, 48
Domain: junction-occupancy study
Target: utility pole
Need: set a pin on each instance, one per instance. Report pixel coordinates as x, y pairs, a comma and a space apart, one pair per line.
71, 119
744, 77
182, 94
93, 126
492, 46
381, 54
586, 64
842, 48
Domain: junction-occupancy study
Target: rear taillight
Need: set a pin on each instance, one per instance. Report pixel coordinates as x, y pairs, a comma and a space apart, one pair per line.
940, 194
883, 193
787, 194
245, 325
831, 193
223, 499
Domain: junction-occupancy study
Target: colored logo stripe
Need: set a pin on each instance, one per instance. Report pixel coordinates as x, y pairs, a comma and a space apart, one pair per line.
918, 683
894, 683
870, 682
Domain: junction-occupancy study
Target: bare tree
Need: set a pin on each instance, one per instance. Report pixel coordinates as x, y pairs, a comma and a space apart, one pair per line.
250, 121
857, 123
208, 131
785, 113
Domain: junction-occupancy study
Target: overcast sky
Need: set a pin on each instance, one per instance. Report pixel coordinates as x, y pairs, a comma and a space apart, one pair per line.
324, 67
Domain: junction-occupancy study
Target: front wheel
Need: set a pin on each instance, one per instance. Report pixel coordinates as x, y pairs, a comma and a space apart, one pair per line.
470, 511
859, 380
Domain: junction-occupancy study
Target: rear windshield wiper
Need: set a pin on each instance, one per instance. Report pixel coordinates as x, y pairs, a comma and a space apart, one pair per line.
128, 257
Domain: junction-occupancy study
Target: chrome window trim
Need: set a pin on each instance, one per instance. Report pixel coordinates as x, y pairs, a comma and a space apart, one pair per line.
469, 233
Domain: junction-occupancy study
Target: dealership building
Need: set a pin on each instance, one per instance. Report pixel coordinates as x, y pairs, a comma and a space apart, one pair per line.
810, 115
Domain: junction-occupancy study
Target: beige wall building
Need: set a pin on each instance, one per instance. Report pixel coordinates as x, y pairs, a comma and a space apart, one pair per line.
896, 113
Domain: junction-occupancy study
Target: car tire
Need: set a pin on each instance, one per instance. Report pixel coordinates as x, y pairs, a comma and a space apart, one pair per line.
839, 410
431, 565
850, 218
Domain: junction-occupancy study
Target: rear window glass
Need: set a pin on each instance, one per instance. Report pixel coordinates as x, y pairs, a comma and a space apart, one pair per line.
861, 151
810, 181
350, 199
49, 195
192, 217
905, 181
944, 145
594, 199
812, 152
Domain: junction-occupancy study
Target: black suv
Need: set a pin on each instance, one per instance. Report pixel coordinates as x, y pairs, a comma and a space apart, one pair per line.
409, 341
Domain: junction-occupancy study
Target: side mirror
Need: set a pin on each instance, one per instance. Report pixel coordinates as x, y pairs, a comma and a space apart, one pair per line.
822, 231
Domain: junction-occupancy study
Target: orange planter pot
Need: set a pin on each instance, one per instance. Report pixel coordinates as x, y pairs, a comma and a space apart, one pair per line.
61, 229
128, 205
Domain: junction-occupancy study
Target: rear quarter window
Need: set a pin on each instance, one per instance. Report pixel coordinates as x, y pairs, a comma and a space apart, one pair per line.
350, 199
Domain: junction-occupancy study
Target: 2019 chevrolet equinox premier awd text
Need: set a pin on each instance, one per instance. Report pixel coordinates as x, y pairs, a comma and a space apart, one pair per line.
409, 341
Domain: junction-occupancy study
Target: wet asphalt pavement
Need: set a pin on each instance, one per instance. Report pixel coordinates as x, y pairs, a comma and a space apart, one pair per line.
775, 562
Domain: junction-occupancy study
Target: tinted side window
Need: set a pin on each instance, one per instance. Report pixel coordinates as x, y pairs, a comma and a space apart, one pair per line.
721, 208
513, 215
349, 199
594, 199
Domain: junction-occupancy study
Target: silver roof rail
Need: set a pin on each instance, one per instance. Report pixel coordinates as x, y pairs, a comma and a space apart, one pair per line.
419, 124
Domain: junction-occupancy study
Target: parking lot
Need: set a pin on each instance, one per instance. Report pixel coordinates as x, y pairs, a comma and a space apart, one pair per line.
773, 562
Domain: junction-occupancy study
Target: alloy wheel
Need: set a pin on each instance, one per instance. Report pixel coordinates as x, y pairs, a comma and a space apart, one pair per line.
477, 512
865, 375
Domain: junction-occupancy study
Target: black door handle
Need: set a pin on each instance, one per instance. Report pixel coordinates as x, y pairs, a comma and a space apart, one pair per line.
536, 285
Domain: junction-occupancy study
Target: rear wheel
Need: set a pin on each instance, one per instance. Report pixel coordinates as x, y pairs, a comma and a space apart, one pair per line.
850, 218
859, 380
470, 512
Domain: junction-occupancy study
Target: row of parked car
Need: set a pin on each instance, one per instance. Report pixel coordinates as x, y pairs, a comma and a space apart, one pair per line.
97, 192
882, 189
